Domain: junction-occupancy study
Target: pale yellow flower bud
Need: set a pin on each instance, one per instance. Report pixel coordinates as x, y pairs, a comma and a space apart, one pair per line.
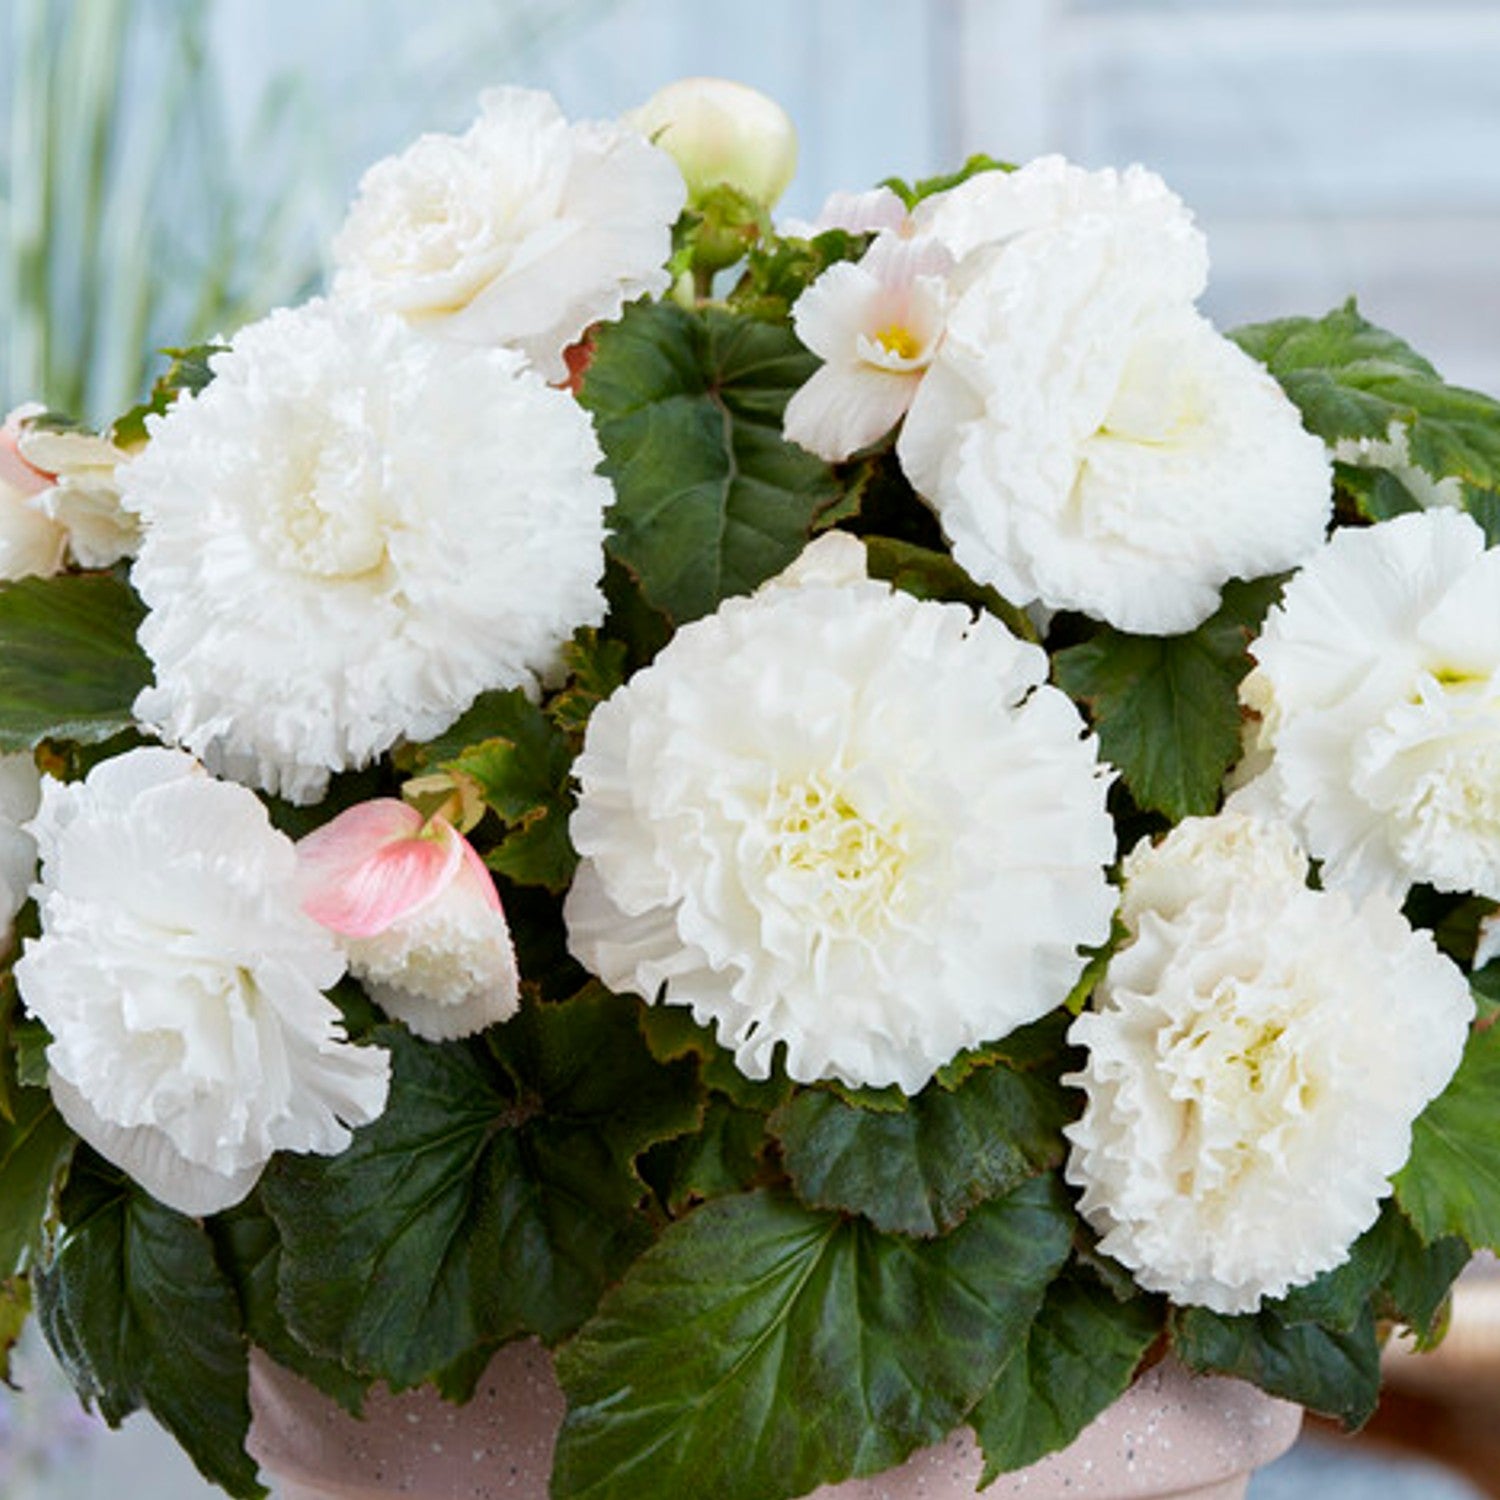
717, 132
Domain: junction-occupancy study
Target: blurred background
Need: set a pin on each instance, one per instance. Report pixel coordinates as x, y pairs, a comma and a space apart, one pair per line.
170, 169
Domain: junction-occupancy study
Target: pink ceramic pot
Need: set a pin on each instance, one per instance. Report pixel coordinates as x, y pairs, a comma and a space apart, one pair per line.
1172, 1434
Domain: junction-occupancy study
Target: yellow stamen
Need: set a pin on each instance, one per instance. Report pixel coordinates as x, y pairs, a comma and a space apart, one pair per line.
898, 340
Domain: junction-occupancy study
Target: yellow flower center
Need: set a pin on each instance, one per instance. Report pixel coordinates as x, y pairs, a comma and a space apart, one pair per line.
897, 339
839, 860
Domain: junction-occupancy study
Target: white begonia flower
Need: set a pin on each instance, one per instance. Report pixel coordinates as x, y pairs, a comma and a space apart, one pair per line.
418, 915
1256, 1058
1393, 452
32, 544
524, 231
876, 324
993, 208
1089, 442
718, 131
1377, 682
1239, 853
182, 984
85, 495
349, 534
840, 819
20, 791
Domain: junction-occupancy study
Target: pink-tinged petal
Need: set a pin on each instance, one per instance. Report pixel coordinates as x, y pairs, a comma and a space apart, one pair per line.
372, 865
832, 313
475, 874
854, 213
14, 470
844, 408
896, 262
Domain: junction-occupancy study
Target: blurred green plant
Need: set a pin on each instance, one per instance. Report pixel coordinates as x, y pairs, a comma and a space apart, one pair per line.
124, 224
169, 169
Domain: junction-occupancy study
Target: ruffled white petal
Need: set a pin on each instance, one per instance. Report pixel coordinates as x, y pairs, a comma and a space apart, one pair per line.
521, 232
1089, 442
993, 208
809, 823
182, 985
352, 532
1378, 686
1256, 1058
447, 970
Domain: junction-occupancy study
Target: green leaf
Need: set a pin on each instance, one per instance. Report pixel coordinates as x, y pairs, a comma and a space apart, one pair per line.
249, 1249
1407, 1280
921, 1169
139, 1313
10, 1010
496, 1196
520, 766
15, 1309
912, 193
189, 371
1414, 1290
34, 1148
727, 1155
1166, 707
596, 667
672, 1033
1351, 379
778, 271
1038, 1045
32, 1040
710, 499
70, 667
934, 575
1079, 1355
1451, 1181
761, 1348
1333, 1371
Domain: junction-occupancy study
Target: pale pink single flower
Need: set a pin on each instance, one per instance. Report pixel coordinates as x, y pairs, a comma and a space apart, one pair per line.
419, 916
876, 323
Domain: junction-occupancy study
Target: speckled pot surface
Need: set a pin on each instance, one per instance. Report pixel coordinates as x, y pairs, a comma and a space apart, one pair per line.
1173, 1434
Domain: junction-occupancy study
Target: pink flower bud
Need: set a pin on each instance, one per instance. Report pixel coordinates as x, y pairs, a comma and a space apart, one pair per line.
421, 920
21, 476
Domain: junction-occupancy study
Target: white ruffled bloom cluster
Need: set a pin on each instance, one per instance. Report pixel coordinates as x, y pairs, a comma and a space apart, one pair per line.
182, 985
521, 232
1086, 438
1256, 1058
349, 534
1377, 685
838, 819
